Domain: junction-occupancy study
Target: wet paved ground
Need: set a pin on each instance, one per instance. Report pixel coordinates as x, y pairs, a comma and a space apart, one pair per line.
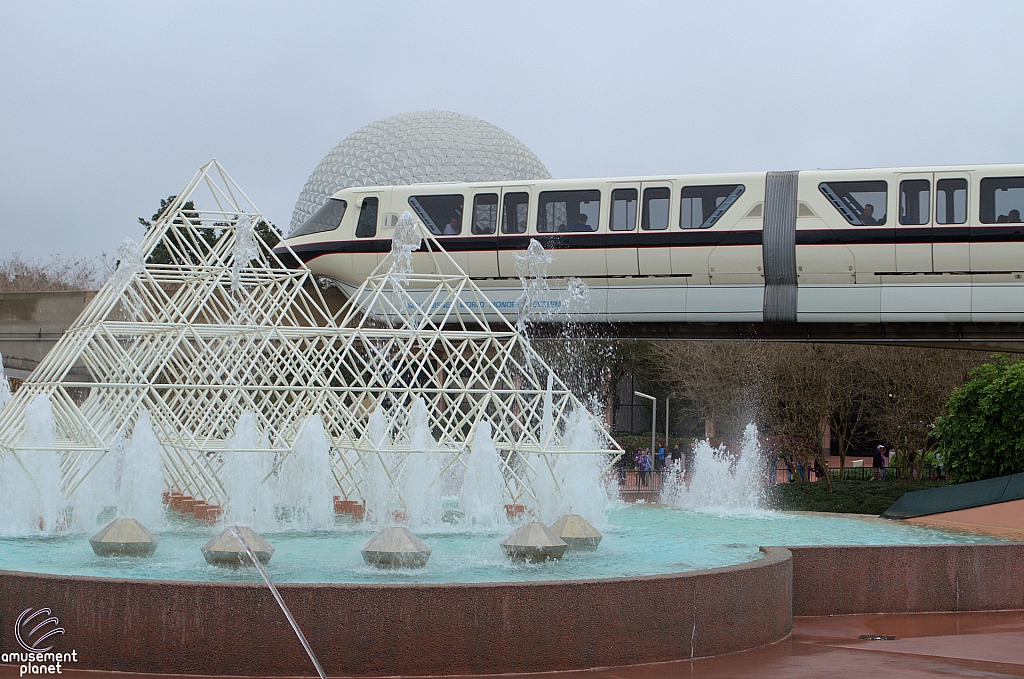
926, 645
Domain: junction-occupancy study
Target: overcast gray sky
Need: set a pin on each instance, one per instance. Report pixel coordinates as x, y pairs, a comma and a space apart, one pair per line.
107, 107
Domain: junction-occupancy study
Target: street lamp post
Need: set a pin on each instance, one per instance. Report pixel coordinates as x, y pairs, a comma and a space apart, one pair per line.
666, 428
654, 415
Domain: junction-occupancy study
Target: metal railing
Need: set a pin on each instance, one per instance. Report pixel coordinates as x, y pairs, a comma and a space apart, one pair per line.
635, 481
888, 474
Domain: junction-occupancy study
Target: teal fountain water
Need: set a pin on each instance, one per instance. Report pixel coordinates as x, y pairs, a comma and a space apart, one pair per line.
720, 519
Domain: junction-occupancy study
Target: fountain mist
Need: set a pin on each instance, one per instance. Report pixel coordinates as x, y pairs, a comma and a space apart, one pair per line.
142, 477
573, 484
721, 481
30, 489
307, 483
5, 387
246, 464
421, 487
482, 497
378, 471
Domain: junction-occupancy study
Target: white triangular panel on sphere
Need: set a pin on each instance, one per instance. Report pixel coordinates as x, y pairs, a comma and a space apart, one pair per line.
202, 324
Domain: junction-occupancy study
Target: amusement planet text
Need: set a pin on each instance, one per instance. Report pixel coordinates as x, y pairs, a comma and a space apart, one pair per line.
39, 663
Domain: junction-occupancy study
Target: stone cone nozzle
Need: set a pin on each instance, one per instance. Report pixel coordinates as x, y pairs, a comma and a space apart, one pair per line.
577, 532
533, 542
226, 550
124, 537
396, 547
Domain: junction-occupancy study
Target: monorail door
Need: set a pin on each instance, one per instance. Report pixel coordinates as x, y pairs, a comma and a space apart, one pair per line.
621, 242
951, 251
368, 234
482, 253
513, 221
951, 248
914, 224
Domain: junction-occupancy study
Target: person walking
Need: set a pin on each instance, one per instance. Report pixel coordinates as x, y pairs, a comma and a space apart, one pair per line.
878, 464
661, 457
676, 454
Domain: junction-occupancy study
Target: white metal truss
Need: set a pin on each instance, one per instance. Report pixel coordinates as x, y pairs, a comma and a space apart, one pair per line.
203, 321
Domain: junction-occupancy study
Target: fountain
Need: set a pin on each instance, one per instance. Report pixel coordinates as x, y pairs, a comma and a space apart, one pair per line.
5, 386
141, 482
483, 492
247, 464
396, 547
124, 537
722, 481
534, 542
227, 550
224, 379
30, 480
577, 532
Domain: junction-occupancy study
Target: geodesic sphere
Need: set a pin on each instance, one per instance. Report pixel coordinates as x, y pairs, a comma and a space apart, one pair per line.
414, 148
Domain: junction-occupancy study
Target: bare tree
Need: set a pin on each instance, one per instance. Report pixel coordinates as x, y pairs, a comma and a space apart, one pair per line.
910, 388
715, 381
798, 390
849, 397
20, 274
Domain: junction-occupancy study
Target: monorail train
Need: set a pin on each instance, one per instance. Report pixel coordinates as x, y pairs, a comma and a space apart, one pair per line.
859, 246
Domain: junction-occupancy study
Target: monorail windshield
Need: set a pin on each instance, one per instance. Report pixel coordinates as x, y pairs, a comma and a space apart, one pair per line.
327, 218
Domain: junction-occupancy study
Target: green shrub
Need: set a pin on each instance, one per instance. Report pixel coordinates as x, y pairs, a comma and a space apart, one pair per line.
981, 436
847, 497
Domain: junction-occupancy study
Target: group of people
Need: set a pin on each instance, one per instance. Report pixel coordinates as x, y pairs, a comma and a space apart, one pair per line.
644, 462
1012, 218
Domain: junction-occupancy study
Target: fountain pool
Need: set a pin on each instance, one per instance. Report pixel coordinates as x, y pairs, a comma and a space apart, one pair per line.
638, 540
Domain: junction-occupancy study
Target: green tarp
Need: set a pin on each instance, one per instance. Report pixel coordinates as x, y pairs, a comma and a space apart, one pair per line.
956, 497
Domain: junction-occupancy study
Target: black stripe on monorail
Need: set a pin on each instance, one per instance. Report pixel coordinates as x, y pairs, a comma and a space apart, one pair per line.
679, 239
601, 241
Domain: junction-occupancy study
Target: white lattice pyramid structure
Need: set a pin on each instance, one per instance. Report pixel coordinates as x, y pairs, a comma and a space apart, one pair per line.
202, 322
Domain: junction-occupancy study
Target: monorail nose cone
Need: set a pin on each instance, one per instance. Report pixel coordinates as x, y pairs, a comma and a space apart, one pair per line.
577, 532
534, 542
396, 547
226, 550
124, 537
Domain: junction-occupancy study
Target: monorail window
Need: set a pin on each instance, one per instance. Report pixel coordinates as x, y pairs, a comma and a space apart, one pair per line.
623, 215
1002, 200
655, 214
485, 214
915, 197
701, 206
951, 201
860, 203
366, 227
515, 212
441, 214
327, 218
559, 211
